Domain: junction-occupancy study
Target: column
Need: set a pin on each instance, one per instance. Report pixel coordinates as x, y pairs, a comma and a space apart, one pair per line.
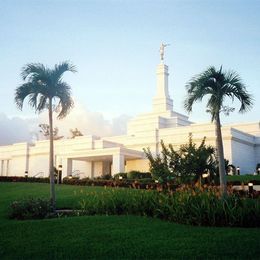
66, 167
89, 169
7, 167
92, 170
118, 163
2, 167
106, 168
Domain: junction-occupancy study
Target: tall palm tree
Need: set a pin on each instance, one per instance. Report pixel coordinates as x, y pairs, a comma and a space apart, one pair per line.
45, 89
217, 86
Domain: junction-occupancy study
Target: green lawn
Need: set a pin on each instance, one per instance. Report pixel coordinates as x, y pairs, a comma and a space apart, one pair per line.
118, 237
243, 178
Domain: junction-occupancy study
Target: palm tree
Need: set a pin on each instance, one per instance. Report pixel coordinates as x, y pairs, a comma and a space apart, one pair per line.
45, 89
218, 86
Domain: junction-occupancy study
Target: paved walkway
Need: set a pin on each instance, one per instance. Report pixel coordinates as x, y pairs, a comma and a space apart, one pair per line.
255, 187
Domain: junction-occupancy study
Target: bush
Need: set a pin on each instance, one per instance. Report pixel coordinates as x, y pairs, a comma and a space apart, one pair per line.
188, 163
23, 179
30, 209
120, 174
98, 182
138, 175
186, 206
106, 177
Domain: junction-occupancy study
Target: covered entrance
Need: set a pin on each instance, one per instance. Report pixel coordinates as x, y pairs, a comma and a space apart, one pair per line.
97, 162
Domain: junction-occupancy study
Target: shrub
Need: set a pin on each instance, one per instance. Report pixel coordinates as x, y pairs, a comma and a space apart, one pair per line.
188, 163
138, 175
23, 179
106, 177
120, 174
186, 206
30, 209
118, 201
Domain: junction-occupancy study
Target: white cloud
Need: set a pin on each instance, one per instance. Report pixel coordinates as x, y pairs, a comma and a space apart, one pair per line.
86, 121
13, 130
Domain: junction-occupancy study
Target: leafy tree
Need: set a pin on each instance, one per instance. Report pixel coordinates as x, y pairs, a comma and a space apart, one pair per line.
45, 130
159, 165
187, 163
197, 160
75, 132
217, 86
45, 89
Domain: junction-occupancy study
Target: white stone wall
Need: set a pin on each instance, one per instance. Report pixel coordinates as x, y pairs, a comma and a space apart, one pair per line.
39, 165
137, 165
257, 151
243, 155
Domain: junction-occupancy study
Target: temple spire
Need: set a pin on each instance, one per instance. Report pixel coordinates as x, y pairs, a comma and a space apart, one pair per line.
162, 101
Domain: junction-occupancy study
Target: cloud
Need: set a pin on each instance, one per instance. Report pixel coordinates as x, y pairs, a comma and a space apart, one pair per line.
88, 122
13, 130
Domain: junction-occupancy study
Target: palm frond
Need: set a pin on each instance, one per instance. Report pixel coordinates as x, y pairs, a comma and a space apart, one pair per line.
59, 70
22, 92
43, 84
235, 88
63, 92
217, 84
35, 72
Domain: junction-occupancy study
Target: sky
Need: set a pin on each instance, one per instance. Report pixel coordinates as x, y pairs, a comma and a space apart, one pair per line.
115, 47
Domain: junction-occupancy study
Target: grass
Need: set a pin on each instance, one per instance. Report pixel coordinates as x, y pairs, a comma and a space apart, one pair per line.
105, 237
244, 178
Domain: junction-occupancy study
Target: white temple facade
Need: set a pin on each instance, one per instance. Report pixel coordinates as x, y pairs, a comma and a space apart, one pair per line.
92, 156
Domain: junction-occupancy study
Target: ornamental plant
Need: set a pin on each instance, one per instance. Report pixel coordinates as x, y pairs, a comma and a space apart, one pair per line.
191, 206
186, 164
30, 209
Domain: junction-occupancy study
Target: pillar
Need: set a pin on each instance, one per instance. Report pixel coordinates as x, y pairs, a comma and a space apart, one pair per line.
118, 164
2, 167
89, 169
7, 167
106, 168
66, 167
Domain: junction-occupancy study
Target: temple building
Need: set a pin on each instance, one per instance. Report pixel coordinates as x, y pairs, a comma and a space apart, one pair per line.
92, 156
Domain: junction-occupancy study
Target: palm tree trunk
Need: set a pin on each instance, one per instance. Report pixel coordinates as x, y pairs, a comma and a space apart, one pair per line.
220, 157
51, 165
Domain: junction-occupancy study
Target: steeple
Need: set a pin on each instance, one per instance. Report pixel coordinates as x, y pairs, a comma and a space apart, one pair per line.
162, 101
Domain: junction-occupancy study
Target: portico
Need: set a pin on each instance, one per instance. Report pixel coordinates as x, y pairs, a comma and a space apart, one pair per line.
94, 163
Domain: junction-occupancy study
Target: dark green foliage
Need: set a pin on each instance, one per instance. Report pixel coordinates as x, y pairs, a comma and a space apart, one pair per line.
42, 85
30, 209
122, 175
186, 206
23, 179
159, 166
138, 175
146, 183
106, 177
217, 86
186, 164
243, 179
